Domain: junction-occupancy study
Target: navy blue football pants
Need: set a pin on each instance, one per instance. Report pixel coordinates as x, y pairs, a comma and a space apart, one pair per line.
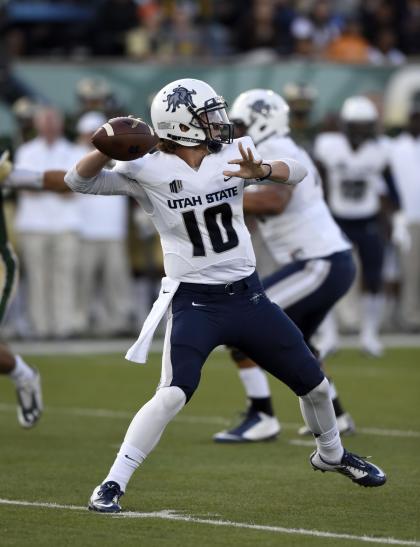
308, 289
239, 314
368, 238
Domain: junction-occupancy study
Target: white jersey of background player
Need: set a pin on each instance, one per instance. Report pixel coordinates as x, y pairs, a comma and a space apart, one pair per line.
313, 265
305, 229
355, 176
358, 179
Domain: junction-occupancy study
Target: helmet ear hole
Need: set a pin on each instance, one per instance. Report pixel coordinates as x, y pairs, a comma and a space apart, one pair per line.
184, 128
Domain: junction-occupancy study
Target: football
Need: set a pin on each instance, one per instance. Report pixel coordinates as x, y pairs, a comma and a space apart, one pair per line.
125, 138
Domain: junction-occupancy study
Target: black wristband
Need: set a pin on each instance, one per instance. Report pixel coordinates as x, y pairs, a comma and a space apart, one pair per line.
268, 175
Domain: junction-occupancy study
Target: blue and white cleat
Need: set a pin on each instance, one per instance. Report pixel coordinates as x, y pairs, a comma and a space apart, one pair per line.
105, 498
29, 400
256, 426
354, 467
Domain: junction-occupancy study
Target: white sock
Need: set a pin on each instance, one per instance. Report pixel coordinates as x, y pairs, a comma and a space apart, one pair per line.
255, 382
21, 372
373, 309
144, 432
333, 391
127, 460
318, 413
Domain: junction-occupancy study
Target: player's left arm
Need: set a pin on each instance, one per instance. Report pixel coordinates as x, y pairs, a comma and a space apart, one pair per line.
26, 179
285, 171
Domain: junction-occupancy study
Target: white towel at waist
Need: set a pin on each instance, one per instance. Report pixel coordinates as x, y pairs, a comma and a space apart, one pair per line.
140, 349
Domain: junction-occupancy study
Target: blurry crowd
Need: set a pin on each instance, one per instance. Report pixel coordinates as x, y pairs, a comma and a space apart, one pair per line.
79, 273
91, 265
350, 31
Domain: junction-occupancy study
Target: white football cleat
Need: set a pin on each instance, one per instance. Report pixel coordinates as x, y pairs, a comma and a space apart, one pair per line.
256, 426
371, 344
29, 396
345, 424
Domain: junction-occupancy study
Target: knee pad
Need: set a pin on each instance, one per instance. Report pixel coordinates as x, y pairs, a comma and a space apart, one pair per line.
318, 393
171, 398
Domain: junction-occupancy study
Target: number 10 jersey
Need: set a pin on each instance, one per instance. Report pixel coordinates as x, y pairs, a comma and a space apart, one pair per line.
197, 212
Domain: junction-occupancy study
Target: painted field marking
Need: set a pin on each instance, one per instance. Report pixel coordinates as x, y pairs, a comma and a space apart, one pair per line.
210, 420
169, 514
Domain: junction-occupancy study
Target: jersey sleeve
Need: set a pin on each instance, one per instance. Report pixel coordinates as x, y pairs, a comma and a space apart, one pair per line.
106, 183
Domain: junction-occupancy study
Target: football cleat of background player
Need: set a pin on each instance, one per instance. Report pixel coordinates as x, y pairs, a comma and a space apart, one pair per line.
29, 396
352, 466
257, 426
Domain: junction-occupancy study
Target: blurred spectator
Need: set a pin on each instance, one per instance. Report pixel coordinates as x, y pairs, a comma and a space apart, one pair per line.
320, 27
260, 27
405, 161
410, 34
114, 19
350, 46
164, 38
300, 98
384, 50
103, 264
150, 39
47, 225
24, 110
95, 93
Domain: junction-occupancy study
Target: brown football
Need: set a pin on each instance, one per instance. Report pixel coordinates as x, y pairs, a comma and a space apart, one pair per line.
125, 138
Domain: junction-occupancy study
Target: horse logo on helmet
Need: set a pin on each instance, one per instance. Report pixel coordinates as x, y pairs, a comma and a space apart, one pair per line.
261, 107
180, 96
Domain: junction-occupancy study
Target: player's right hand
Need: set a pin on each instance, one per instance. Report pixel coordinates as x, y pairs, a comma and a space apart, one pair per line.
6, 166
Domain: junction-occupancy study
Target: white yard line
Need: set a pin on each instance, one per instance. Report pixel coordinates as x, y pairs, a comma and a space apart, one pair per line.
173, 515
209, 420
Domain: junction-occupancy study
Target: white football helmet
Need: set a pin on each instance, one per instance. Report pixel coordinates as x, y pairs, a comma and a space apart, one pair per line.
358, 109
190, 112
263, 112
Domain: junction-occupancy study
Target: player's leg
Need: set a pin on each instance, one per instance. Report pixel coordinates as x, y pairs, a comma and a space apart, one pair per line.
371, 247
278, 346
286, 286
258, 422
27, 382
191, 334
306, 291
25, 378
309, 312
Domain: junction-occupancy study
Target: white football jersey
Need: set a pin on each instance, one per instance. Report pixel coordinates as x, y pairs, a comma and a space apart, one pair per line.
305, 229
354, 177
197, 212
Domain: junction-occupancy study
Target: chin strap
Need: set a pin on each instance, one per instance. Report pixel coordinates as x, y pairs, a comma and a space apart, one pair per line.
213, 146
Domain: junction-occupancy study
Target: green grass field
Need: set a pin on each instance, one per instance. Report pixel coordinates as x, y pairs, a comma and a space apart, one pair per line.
194, 487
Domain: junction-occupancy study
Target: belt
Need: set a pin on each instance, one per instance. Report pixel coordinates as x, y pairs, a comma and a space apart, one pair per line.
225, 288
